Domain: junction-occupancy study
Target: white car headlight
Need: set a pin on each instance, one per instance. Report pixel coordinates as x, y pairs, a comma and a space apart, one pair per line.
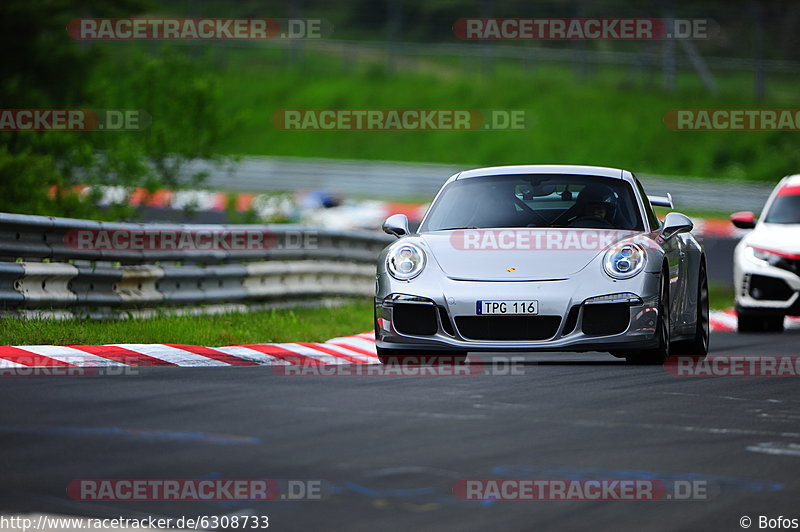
761, 256
624, 260
405, 261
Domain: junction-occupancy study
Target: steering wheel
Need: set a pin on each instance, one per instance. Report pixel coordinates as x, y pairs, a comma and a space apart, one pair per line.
591, 222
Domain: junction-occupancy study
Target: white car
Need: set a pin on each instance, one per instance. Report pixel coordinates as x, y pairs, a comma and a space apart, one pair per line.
766, 265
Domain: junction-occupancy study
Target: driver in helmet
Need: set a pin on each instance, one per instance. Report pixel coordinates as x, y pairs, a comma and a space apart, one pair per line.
594, 208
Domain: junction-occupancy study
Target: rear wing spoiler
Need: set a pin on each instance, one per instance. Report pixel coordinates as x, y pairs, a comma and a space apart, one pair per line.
661, 201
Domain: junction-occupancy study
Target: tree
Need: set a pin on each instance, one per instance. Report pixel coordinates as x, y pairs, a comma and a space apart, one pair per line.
44, 68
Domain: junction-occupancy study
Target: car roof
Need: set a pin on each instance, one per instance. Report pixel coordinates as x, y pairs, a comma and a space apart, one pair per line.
791, 180
566, 169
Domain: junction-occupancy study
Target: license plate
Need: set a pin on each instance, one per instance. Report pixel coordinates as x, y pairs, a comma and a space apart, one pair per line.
508, 307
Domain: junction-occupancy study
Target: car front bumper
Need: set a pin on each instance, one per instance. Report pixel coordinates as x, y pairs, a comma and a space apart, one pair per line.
762, 288
440, 306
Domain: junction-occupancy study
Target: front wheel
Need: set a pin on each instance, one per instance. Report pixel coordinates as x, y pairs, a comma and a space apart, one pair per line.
697, 346
420, 357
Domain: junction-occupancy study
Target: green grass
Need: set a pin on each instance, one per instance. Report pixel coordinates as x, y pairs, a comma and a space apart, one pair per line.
611, 119
294, 325
661, 212
720, 296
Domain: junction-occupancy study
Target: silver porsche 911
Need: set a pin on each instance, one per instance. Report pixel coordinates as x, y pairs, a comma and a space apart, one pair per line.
542, 258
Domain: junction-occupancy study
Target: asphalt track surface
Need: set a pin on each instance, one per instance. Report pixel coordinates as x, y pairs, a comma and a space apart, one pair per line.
719, 257
389, 449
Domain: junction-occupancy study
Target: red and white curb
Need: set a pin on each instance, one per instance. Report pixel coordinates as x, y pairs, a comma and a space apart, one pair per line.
264, 205
716, 227
726, 320
358, 349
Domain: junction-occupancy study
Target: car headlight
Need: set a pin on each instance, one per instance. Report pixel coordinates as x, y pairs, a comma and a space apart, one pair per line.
761, 256
405, 261
624, 260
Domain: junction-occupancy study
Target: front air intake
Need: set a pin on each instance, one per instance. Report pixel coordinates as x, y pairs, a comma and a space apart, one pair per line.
769, 288
415, 319
508, 327
603, 319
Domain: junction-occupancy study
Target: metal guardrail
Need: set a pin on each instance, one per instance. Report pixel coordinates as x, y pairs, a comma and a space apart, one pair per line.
45, 273
387, 179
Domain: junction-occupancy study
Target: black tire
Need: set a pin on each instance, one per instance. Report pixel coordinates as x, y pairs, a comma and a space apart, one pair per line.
697, 346
774, 323
755, 323
420, 357
660, 354
747, 324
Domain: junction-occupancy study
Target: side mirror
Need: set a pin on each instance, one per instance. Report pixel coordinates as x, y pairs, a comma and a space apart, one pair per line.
397, 225
674, 224
743, 220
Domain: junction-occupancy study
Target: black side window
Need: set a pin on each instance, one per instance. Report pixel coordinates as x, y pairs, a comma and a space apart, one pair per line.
652, 219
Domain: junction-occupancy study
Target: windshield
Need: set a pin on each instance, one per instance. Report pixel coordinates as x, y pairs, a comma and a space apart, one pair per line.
785, 209
535, 201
